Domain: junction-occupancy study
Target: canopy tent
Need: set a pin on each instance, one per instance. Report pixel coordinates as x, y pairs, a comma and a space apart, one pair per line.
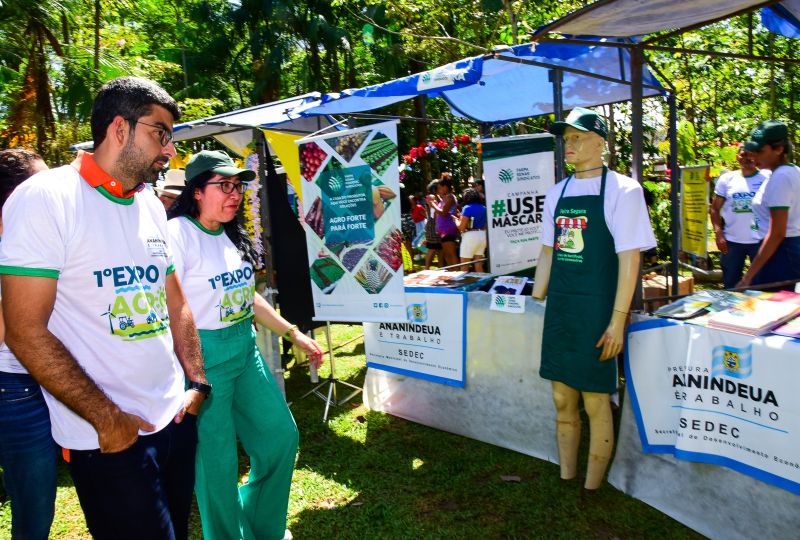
234, 129
627, 18
782, 19
507, 84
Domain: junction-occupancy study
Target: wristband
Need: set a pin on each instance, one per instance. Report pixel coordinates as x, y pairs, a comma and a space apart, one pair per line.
620, 311
287, 334
203, 388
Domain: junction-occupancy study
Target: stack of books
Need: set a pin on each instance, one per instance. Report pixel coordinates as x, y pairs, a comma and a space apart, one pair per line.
754, 316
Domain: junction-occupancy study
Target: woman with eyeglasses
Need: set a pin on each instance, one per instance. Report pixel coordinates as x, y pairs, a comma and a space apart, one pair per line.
214, 263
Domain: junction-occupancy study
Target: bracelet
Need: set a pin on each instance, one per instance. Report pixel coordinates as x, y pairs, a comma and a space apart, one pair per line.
620, 311
287, 334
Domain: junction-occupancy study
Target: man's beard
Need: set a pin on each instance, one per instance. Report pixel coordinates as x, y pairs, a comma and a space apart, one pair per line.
136, 167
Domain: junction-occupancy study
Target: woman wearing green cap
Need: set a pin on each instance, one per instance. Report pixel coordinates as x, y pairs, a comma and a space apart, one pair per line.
594, 226
776, 207
214, 262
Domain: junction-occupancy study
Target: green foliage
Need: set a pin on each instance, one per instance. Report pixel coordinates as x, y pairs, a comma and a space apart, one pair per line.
660, 216
197, 108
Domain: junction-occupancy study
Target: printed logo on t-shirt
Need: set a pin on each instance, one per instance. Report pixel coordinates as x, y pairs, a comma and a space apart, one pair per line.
156, 247
742, 202
238, 293
137, 307
569, 244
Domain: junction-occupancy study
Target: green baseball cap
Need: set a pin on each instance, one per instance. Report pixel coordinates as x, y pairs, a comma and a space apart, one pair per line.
218, 162
768, 132
582, 120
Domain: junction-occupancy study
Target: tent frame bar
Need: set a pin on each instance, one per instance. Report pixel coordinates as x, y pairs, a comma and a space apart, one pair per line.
566, 69
372, 116
661, 48
689, 28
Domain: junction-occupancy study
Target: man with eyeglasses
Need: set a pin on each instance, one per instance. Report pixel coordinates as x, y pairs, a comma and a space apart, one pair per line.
97, 316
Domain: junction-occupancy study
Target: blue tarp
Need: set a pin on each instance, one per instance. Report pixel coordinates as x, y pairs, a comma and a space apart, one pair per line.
780, 20
489, 89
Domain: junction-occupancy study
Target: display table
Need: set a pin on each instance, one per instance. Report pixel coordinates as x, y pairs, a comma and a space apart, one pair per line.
715, 500
504, 401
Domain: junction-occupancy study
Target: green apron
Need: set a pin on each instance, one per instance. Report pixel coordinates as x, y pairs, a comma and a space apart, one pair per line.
581, 292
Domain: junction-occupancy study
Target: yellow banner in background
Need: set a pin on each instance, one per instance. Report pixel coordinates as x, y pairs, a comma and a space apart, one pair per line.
694, 210
286, 150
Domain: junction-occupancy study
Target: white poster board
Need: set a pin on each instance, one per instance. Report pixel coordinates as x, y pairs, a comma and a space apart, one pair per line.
729, 399
351, 216
518, 172
430, 344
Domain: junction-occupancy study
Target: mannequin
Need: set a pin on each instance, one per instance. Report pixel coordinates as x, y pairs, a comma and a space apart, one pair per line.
583, 256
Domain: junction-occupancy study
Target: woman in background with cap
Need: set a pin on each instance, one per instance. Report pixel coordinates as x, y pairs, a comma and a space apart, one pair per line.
214, 262
776, 207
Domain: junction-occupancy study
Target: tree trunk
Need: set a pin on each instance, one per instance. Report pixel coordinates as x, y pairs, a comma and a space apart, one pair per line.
97, 12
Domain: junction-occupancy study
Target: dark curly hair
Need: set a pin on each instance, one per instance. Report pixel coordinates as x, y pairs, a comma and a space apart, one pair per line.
186, 205
131, 98
471, 196
16, 166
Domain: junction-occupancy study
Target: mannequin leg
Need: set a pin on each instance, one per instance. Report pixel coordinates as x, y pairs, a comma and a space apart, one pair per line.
568, 428
601, 437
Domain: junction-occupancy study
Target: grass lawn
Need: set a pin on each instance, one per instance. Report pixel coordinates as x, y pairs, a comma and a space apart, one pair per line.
370, 475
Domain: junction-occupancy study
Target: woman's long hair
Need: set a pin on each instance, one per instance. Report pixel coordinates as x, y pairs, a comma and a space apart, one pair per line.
186, 205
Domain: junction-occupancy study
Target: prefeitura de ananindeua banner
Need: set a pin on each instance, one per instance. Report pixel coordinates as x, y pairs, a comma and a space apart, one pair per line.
717, 397
518, 171
351, 215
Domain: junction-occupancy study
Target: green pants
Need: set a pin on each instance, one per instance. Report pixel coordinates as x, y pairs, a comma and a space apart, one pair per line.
244, 402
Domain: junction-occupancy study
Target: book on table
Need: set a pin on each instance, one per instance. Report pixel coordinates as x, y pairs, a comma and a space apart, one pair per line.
754, 316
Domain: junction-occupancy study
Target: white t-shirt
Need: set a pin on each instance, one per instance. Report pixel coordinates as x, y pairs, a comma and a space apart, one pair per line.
111, 259
8, 362
737, 210
782, 190
625, 210
218, 284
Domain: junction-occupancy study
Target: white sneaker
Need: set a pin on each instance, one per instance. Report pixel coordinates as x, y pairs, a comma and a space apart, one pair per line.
288, 535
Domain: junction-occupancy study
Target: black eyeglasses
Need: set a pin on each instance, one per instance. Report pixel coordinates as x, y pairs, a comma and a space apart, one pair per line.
228, 187
165, 135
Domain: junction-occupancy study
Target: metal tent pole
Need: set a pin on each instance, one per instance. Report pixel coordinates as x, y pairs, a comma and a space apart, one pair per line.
556, 77
674, 210
637, 144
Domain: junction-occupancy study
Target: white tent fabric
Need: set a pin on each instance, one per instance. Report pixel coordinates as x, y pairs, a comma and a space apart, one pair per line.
627, 18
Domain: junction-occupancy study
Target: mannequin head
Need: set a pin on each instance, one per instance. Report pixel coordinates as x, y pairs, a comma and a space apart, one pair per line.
584, 150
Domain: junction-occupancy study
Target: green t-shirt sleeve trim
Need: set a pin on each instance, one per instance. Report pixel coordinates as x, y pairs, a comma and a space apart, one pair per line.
32, 272
170, 269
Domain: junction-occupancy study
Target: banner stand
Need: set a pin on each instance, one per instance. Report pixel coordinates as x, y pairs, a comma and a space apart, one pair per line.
330, 398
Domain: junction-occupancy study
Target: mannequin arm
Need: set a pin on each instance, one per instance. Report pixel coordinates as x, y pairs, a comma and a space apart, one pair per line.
611, 340
542, 279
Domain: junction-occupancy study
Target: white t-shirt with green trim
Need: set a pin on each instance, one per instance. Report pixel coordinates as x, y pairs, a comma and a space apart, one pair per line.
782, 190
218, 284
737, 210
111, 259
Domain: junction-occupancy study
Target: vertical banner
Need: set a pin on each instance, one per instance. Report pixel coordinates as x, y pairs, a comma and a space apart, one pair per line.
430, 344
694, 210
518, 172
351, 215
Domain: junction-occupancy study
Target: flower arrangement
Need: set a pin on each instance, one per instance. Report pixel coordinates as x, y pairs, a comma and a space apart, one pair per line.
457, 143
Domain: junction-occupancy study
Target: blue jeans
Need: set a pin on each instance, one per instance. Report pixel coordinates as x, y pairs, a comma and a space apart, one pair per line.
733, 262
784, 264
143, 492
28, 456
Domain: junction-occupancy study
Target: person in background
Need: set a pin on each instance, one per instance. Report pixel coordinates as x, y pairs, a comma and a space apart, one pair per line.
27, 451
174, 182
95, 313
776, 207
472, 226
446, 215
214, 260
433, 242
407, 227
732, 217
480, 187
418, 214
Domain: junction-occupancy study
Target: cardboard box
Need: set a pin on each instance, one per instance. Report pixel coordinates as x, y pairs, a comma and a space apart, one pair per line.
662, 286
